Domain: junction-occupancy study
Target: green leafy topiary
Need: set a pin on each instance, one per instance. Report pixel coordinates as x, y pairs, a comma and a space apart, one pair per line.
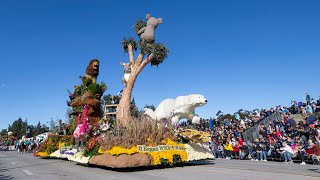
94, 89
159, 51
139, 25
125, 42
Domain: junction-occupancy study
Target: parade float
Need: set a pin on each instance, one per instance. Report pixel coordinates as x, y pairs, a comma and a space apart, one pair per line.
127, 141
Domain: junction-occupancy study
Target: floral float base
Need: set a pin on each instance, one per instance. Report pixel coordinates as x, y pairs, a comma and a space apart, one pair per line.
137, 156
71, 155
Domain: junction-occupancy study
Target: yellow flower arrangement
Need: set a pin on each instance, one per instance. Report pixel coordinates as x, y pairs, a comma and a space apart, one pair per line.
61, 144
157, 156
42, 154
168, 154
120, 150
171, 143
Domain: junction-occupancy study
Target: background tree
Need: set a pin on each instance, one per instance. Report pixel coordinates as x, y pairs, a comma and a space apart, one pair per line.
134, 109
32, 132
18, 128
3, 132
38, 129
52, 125
150, 53
24, 127
68, 116
60, 125
115, 99
44, 128
150, 107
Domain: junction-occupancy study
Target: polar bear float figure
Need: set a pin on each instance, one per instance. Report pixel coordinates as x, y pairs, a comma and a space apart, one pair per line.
183, 107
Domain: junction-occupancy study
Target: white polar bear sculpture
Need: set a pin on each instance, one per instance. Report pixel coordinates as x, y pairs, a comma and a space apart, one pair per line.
183, 107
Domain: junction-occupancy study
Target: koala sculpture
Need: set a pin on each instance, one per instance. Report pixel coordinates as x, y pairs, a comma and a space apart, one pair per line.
126, 72
147, 33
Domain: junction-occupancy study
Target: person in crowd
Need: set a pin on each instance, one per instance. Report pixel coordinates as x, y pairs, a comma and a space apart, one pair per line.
301, 152
228, 149
213, 146
236, 150
263, 131
308, 99
220, 149
244, 151
309, 109
264, 148
300, 137
211, 123
287, 153
255, 152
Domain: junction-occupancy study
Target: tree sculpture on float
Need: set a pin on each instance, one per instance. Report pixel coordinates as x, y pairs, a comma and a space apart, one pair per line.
150, 53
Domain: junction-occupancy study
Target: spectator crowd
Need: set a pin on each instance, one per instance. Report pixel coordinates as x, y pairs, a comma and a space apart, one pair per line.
283, 139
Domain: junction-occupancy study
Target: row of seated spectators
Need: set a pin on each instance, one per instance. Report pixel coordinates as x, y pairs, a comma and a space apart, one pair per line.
277, 141
281, 140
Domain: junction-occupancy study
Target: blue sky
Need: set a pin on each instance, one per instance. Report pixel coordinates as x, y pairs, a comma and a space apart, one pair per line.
239, 54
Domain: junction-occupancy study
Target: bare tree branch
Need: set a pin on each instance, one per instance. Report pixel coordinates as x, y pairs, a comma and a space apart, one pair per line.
130, 52
139, 60
145, 62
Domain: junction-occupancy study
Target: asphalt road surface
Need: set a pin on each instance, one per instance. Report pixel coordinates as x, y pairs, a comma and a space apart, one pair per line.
25, 166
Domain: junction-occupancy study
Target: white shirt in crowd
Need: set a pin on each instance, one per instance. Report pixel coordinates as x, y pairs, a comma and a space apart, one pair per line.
242, 123
288, 149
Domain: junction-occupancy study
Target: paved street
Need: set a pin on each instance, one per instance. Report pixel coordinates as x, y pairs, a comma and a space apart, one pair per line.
25, 166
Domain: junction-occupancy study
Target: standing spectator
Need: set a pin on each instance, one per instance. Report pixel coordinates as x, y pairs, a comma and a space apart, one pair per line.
309, 109
237, 116
312, 101
318, 106
308, 98
216, 122
211, 123
242, 123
